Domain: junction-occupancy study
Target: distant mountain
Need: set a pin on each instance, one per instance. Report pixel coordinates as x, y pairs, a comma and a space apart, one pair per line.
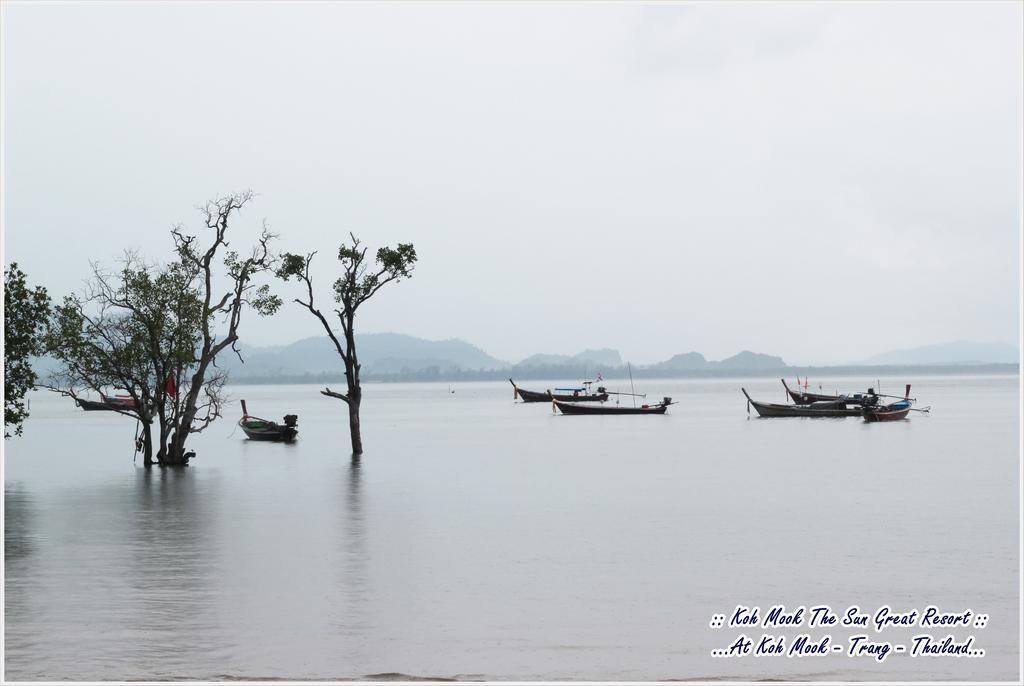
392, 356
545, 360
378, 353
749, 360
683, 361
696, 362
958, 352
392, 353
604, 357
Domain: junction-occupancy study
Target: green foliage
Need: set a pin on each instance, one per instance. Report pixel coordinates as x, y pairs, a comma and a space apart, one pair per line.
264, 302
132, 329
290, 265
164, 313
398, 260
25, 312
261, 300
359, 283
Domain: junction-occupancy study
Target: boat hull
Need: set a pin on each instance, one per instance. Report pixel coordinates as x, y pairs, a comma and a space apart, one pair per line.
96, 406
874, 414
545, 397
808, 398
770, 410
277, 437
120, 403
828, 408
803, 398
575, 409
270, 432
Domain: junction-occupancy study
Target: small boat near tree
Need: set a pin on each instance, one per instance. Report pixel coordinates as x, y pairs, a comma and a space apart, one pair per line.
108, 403
568, 395
258, 429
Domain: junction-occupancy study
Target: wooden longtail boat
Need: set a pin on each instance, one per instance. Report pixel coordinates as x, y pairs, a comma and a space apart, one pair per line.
577, 395
265, 430
108, 403
818, 408
93, 405
804, 398
575, 408
889, 413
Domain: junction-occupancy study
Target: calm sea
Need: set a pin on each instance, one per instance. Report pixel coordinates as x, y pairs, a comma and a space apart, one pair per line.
479, 538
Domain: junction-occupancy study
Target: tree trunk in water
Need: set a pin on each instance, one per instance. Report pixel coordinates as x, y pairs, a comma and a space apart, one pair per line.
172, 448
176, 456
355, 392
353, 425
147, 445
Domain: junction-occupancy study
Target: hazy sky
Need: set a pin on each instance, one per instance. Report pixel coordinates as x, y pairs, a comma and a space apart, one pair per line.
820, 182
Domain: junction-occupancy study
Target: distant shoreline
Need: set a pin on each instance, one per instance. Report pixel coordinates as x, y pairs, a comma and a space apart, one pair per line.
572, 372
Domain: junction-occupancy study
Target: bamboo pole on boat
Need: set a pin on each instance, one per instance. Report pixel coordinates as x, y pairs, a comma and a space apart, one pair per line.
632, 391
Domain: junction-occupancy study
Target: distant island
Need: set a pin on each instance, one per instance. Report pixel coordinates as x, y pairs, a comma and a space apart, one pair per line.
399, 357
958, 352
393, 357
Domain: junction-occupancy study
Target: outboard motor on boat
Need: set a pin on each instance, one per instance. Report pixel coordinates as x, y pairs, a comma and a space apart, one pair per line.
666, 400
291, 420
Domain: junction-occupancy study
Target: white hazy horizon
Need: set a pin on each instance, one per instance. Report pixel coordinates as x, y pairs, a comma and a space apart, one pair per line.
821, 182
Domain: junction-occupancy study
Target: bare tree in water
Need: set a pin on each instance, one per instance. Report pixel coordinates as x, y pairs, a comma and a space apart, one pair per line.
360, 281
153, 331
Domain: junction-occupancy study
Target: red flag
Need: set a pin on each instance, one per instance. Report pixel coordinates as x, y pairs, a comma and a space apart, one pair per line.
170, 386
798, 382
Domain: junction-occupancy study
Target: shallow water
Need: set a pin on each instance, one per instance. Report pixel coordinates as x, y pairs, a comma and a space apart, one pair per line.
478, 538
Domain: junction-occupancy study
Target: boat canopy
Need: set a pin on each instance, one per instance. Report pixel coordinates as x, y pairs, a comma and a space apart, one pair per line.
580, 390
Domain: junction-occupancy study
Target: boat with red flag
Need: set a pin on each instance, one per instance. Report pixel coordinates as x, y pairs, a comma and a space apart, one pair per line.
806, 398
